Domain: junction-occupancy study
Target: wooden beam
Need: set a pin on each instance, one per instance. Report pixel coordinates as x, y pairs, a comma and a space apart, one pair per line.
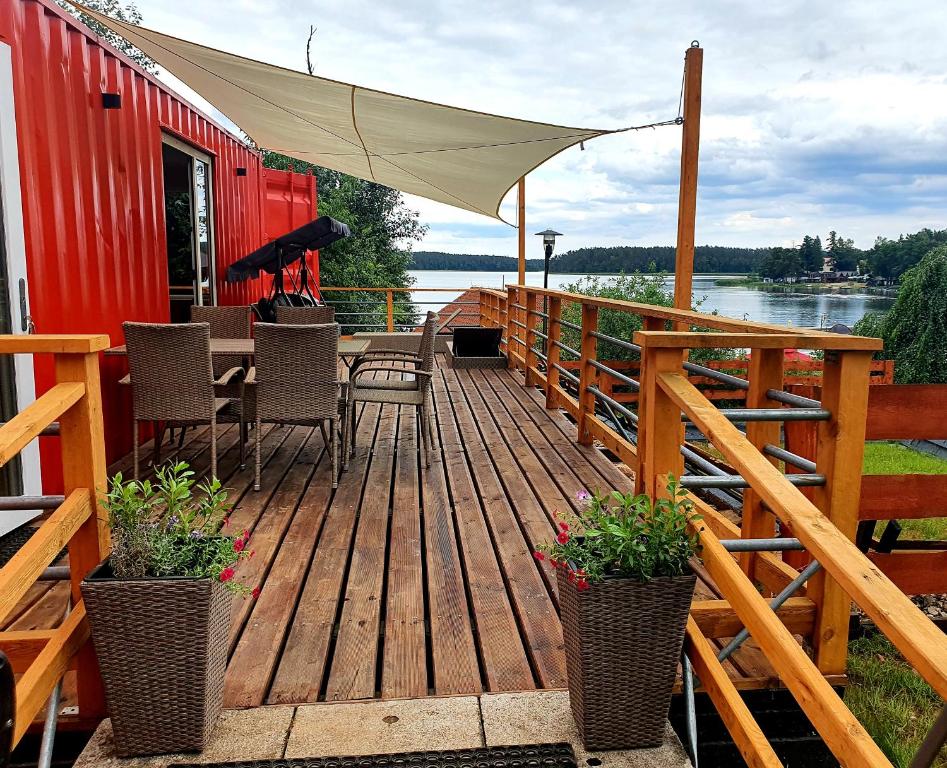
553, 356
35, 685
839, 728
687, 199
587, 373
675, 340
716, 618
521, 230
661, 423
25, 567
915, 636
743, 728
840, 445
892, 411
903, 497
915, 573
23, 428
38, 343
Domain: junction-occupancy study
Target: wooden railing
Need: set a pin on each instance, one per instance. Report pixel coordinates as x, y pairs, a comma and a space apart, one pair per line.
42, 657
651, 441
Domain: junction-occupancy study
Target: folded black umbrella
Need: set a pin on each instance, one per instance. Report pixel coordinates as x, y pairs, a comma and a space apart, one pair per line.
288, 248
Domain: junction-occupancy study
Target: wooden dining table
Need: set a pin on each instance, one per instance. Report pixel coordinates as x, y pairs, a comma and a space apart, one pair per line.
349, 349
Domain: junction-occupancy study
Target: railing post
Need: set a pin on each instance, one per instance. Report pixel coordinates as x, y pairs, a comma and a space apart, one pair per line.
531, 321
840, 446
554, 331
390, 302
587, 372
511, 346
647, 324
83, 466
765, 372
661, 425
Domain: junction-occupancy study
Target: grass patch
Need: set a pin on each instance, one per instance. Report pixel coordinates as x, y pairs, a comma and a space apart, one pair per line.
890, 699
897, 459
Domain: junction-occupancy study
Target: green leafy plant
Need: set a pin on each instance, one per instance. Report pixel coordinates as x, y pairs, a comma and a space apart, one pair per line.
625, 535
173, 528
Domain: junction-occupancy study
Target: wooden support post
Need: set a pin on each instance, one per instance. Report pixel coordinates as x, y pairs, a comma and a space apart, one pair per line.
587, 373
521, 230
554, 331
390, 302
766, 372
647, 324
840, 449
532, 361
483, 307
687, 199
512, 348
83, 466
661, 454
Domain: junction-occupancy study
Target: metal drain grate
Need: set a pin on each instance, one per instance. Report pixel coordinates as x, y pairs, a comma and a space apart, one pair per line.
526, 756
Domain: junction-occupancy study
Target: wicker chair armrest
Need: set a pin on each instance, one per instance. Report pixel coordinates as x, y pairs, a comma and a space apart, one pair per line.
388, 369
232, 376
251, 376
387, 359
126, 380
385, 351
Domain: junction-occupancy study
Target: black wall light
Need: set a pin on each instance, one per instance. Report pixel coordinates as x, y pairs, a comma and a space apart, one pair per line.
241, 171
111, 101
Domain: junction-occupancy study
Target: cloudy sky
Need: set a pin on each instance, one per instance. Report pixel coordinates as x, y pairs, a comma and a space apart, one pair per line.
816, 115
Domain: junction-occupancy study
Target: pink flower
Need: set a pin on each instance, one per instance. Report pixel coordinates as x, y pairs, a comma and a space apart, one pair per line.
226, 574
563, 538
238, 545
563, 526
539, 556
246, 535
255, 593
583, 496
582, 585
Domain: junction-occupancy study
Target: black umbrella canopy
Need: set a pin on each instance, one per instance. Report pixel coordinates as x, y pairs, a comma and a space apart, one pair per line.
309, 237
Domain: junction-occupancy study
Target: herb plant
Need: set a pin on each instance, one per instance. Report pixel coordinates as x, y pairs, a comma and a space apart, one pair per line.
173, 528
625, 535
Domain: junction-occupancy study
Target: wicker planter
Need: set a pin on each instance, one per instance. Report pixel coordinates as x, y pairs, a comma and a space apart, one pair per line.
623, 642
162, 649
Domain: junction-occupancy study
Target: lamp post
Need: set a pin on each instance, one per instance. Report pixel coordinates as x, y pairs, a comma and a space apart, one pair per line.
549, 244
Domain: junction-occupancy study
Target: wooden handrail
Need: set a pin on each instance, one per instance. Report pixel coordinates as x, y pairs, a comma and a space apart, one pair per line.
915, 636
804, 340
80, 522
27, 425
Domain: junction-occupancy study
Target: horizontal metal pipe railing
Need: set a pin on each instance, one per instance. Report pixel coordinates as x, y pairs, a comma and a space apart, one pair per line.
567, 324
630, 415
14, 503
567, 348
710, 373
762, 545
789, 457
537, 313
519, 324
616, 374
617, 342
772, 414
736, 481
568, 374
792, 399
518, 306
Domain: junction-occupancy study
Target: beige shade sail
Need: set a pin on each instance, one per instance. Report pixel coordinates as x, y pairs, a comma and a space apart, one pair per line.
455, 156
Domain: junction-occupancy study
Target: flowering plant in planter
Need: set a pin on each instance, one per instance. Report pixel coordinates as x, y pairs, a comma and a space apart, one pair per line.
159, 609
626, 535
625, 588
167, 530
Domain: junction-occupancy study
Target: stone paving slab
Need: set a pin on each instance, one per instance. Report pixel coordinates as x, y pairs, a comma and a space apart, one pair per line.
381, 727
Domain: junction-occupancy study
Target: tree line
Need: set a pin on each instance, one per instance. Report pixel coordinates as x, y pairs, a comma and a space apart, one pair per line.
617, 259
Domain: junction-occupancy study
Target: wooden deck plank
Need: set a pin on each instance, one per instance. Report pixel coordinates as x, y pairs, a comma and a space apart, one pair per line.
276, 536
305, 658
533, 604
355, 661
502, 654
404, 663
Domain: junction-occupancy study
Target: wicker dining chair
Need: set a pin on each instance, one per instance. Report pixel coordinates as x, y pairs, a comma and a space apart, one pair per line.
296, 381
172, 381
320, 315
225, 323
411, 386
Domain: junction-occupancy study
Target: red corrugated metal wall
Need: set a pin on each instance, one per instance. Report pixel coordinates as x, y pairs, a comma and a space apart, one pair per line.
93, 192
291, 201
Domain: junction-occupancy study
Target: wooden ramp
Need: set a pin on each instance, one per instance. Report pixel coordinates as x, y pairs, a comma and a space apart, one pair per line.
406, 581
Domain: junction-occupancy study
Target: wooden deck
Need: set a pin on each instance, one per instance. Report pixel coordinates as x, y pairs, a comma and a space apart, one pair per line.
406, 581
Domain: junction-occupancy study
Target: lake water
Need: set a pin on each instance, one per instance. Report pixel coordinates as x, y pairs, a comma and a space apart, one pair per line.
784, 307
